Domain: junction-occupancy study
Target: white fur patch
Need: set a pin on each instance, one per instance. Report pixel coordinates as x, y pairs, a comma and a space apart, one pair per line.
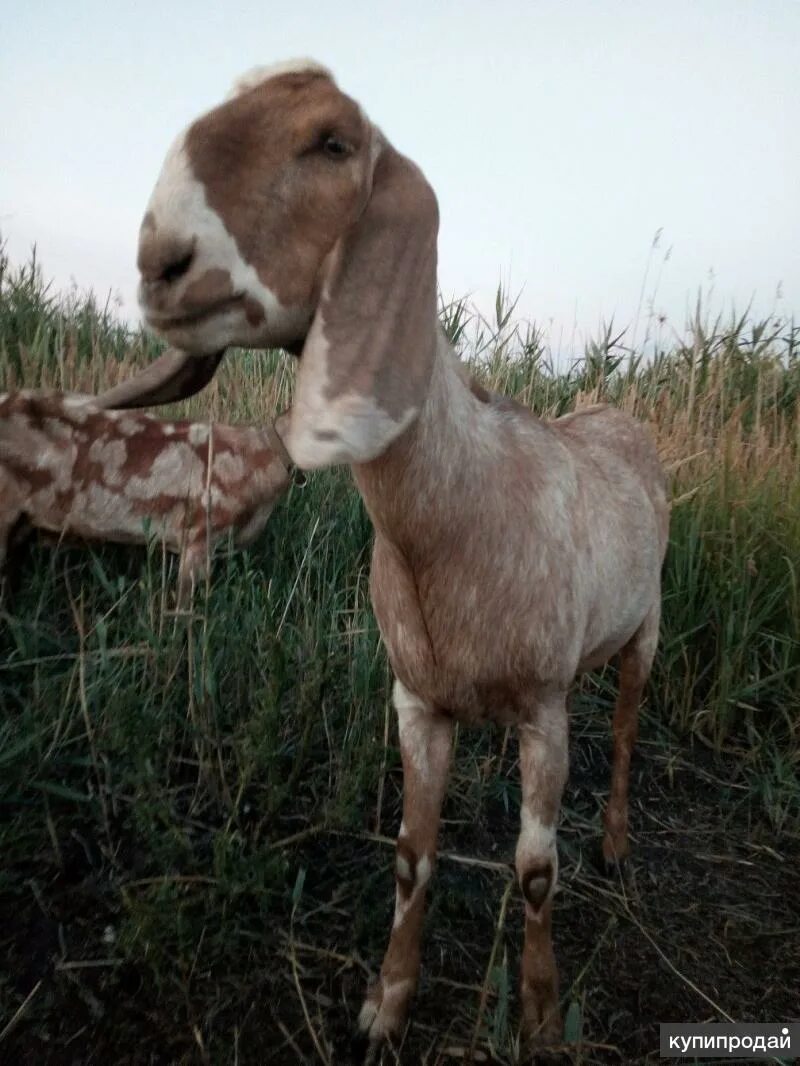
198, 433
107, 512
128, 426
57, 430
215, 499
75, 402
536, 846
111, 455
352, 428
402, 867
404, 700
422, 876
412, 716
176, 471
179, 207
258, 75
538, 839
228, 467
383, 1019
424, 870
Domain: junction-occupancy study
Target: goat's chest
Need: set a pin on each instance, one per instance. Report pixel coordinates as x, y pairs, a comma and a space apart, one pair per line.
469, 645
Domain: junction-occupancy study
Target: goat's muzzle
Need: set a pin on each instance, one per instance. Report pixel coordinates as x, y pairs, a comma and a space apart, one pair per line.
181, 295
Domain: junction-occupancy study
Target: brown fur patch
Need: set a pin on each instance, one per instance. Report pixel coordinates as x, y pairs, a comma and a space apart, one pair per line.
254, 312
384, 273
210, 288
266, 140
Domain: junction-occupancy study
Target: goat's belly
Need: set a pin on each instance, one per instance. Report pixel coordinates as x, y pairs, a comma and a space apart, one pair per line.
599, 656
603, 642
122, 524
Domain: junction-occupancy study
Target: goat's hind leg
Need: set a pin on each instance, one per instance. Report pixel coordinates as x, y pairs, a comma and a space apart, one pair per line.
425, 745
636, 660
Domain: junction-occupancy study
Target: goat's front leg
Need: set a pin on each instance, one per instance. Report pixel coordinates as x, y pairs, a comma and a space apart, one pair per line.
193, 568
425, 746
543, 764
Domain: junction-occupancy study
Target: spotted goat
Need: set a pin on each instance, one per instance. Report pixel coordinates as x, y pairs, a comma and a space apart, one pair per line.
511, 552
70, 468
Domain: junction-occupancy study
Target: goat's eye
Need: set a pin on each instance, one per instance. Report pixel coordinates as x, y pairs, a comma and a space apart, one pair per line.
334, 147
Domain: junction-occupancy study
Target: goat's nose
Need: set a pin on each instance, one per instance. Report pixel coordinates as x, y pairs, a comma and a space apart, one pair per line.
164, 257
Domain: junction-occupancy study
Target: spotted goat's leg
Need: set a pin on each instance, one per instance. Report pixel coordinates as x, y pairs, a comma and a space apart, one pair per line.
635, 663
191, 572
425, 746
543, 763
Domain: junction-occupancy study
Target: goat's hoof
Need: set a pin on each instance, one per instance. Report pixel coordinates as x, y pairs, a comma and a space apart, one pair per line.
383, 1016
612, 860
542, 1040
538, 1054
542, 1028
360, 1047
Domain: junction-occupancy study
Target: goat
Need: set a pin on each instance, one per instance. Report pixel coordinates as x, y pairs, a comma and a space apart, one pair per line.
71, 468
511, 553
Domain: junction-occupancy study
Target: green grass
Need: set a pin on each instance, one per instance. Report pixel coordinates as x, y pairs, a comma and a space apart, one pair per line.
166, 763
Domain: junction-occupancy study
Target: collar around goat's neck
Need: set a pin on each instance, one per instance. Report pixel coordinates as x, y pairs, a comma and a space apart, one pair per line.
280, 449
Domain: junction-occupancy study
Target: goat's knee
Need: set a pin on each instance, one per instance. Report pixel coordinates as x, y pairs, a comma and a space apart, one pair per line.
387, 1003
536, 863
537, 873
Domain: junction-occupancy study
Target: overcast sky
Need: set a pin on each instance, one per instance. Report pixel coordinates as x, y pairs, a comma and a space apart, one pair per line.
560, 135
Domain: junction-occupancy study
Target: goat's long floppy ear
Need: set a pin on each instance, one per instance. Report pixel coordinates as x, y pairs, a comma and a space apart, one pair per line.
174, 376
366, 363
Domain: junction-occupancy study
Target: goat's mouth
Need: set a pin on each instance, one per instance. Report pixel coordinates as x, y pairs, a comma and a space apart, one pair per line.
167, 323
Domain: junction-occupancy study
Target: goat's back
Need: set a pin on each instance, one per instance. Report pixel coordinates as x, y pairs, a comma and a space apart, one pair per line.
605, 435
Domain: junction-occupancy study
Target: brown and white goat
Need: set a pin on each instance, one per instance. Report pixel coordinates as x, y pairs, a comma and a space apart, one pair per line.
511, 553
68, 467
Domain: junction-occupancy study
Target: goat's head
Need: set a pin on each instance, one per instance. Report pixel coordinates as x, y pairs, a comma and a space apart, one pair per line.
284, 218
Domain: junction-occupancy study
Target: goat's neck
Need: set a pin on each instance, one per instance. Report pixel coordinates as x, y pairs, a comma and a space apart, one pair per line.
430, 478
